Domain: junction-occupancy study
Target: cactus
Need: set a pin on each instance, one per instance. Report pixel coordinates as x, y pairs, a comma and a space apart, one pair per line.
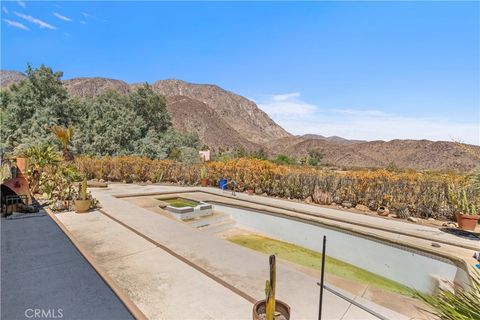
203, 173
83, 189
270, 290
460, 201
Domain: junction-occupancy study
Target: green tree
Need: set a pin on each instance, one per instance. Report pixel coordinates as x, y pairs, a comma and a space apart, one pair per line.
284, 159
108, 127
151, 107
315, 157
32, 106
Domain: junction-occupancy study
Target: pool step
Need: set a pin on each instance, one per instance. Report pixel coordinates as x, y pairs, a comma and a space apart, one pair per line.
220, 226
207, 220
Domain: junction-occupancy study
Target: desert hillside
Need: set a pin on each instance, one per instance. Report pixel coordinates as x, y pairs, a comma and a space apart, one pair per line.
8, 77
223, 119
413, 154
88, 87
189, 115
240, 113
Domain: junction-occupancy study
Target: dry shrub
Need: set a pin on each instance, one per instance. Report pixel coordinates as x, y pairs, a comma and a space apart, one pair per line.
424, 194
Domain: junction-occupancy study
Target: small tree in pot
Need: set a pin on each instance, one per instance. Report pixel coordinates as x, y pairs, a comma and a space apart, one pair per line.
466, 211
203, 177
270, 308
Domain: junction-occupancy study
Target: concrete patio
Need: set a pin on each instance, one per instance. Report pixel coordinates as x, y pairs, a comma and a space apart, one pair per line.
166, 267
42, 270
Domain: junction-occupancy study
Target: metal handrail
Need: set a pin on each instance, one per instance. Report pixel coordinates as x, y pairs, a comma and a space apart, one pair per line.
355, 303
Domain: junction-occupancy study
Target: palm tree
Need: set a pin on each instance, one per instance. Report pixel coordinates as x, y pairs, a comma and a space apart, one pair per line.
64, 135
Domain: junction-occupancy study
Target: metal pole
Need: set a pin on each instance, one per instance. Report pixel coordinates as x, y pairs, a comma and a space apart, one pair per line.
322, 278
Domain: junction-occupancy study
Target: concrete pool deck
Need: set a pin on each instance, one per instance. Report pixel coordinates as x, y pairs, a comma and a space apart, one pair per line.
41, 269
171, 271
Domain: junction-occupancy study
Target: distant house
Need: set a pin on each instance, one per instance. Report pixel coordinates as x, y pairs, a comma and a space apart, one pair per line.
205, 155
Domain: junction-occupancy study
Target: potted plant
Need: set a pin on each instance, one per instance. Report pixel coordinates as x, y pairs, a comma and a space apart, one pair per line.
203, 177
82, 204
466, 212
270, 308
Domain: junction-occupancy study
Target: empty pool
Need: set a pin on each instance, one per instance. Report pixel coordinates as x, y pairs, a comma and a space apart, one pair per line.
411, 267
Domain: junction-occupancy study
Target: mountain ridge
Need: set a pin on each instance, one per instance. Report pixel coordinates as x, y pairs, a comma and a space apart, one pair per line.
225, 120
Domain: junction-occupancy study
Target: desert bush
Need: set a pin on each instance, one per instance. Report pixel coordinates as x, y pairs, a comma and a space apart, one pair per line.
401, 210
422, 194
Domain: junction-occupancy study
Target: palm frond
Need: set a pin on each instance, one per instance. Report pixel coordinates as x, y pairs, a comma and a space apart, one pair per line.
64, 135
460, 304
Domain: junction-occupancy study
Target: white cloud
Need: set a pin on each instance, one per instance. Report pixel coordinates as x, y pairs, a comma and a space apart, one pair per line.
5, 10
286, 105
16, 24
86, 15
299, 117
62, 17
40, 23
21, 3
83, 22
286, 96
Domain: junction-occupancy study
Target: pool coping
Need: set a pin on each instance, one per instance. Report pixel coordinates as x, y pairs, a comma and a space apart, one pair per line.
432, 253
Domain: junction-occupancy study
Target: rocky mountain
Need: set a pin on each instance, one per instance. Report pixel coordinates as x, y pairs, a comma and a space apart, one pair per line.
8, 77
240, 113
223, 119
334, 139
334, 154
220, 118
413, 154
90, 87
189, 115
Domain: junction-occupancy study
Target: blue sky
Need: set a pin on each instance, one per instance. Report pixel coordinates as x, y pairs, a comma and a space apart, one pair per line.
378, 70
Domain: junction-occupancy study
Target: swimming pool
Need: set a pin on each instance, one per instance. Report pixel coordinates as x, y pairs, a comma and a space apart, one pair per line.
411, 267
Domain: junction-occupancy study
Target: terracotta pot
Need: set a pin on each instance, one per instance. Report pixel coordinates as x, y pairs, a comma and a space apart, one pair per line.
281, 307
204, 182
383, 211
22, 165
250, 191
81, 206
466, 221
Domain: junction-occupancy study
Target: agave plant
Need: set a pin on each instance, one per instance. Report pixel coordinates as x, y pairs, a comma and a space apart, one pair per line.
64, 136
460, 304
